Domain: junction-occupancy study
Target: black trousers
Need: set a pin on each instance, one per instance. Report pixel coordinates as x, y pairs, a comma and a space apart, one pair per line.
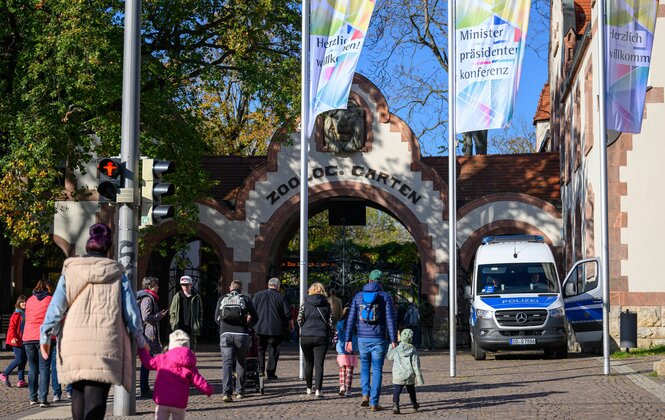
314, 349
89, 400
397, 389
270, 344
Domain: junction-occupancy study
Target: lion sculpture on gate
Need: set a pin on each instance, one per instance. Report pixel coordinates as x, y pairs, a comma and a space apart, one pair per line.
344, 129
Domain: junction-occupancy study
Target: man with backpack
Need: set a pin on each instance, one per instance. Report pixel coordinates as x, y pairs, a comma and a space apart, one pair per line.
235, 314
372, 313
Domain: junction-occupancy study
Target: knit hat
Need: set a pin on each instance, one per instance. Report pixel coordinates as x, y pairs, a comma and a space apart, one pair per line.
185, 280
178, 338
406, 336
375, 275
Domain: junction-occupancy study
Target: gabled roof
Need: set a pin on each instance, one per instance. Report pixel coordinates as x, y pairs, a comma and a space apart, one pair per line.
535, 174
543, 111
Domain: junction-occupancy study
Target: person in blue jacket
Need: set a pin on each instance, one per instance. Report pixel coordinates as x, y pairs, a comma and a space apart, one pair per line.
372, 313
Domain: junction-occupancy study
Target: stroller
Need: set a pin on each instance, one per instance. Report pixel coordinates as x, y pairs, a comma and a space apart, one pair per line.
253, 379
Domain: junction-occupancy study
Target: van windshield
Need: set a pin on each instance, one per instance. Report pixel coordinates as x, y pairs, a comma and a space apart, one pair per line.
517, 278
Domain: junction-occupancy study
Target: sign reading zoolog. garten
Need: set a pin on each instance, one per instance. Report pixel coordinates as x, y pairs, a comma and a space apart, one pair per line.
381, 178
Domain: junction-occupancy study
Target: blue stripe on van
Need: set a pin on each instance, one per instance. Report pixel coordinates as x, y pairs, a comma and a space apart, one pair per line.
519, 302
584, 310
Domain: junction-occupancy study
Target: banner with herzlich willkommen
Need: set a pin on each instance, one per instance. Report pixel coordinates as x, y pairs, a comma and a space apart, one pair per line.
630, 27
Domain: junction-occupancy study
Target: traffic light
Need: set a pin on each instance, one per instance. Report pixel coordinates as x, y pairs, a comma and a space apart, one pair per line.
110, 178
152, 191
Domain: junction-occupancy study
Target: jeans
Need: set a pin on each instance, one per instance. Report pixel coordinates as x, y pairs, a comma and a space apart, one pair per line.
372, 355
273, 342
314, 349
40, 372
20, 359
55, 385
234, 349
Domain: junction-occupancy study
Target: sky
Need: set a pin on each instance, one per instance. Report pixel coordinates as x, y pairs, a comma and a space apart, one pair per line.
534, 76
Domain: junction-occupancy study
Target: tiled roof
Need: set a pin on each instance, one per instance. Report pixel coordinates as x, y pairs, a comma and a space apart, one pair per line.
543, 109
535, 174
230, 172
582, 15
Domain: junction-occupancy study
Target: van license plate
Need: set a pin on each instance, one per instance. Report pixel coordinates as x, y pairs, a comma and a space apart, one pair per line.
522, 341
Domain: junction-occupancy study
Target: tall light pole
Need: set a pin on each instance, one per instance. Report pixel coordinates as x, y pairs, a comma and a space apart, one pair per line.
124, 403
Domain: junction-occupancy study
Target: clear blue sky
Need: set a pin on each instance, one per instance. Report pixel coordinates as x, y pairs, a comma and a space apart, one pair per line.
534, 76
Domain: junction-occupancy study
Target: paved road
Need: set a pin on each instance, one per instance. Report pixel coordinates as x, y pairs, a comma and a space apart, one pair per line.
514, 386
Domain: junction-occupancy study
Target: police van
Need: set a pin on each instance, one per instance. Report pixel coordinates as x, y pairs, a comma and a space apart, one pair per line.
515, 298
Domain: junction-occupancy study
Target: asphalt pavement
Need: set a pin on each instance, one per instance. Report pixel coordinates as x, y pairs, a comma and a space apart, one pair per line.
522, 385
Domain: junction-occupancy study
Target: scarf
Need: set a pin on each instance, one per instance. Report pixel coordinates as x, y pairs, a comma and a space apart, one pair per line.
153, 294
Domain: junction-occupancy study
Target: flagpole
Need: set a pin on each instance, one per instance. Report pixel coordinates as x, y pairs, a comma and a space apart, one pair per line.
604, 234
304, 136
452, 188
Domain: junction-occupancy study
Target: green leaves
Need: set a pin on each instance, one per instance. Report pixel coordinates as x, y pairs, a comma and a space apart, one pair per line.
61, 92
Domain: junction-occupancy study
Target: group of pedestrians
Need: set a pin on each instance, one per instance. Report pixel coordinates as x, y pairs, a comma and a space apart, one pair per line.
104, 316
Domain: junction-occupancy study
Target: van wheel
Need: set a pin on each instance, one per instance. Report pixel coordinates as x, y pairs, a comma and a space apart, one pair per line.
561, 352
478, 353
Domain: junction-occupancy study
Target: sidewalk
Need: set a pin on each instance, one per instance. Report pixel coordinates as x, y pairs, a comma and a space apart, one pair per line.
515, 386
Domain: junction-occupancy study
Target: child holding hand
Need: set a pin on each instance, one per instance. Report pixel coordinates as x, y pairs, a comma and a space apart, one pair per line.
176, 370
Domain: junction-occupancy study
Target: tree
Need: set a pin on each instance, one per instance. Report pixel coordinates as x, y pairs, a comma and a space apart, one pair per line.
61, 91
407, 51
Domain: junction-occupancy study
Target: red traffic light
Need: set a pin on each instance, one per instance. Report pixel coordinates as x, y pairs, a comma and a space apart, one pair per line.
109, 168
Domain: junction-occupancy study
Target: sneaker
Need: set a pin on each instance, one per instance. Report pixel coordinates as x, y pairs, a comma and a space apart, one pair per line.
272, 377
396, 408
239, 396
227, 398
319, 394
365, 401
33, 402
45, 404
416, 406
342, 392
5, 380
375, 408
146, 393
22, 384
56, 398
68, 396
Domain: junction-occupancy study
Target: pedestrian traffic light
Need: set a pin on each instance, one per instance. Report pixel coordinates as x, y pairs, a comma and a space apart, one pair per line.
110, 178
153, 189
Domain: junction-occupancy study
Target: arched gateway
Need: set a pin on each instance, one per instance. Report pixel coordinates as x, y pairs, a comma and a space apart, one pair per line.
256, 206
364, 155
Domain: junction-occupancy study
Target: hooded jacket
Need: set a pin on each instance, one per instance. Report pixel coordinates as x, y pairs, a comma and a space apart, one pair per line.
35, 311
385, 328
314, 317
176, 370
406, 364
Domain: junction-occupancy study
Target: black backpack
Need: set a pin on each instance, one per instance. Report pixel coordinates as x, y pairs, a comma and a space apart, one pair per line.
233, 309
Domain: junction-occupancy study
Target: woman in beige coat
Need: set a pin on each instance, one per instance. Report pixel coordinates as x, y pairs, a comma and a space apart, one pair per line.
94, 346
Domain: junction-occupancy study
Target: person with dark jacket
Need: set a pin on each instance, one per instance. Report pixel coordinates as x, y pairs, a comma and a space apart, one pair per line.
186, 311
235, 314
274, 313
316, 325
372, 313
150, 316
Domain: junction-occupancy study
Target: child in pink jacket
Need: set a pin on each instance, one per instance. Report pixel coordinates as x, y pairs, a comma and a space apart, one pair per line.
176, 370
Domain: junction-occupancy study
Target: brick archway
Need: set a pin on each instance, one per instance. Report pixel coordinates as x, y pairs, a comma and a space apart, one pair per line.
272, 232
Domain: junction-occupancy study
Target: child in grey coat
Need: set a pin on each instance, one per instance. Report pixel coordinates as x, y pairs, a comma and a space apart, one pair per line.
406, 369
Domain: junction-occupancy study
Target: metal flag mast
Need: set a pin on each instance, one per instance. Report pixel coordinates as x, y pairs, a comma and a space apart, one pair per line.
604, 235
452, 188
304, 144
